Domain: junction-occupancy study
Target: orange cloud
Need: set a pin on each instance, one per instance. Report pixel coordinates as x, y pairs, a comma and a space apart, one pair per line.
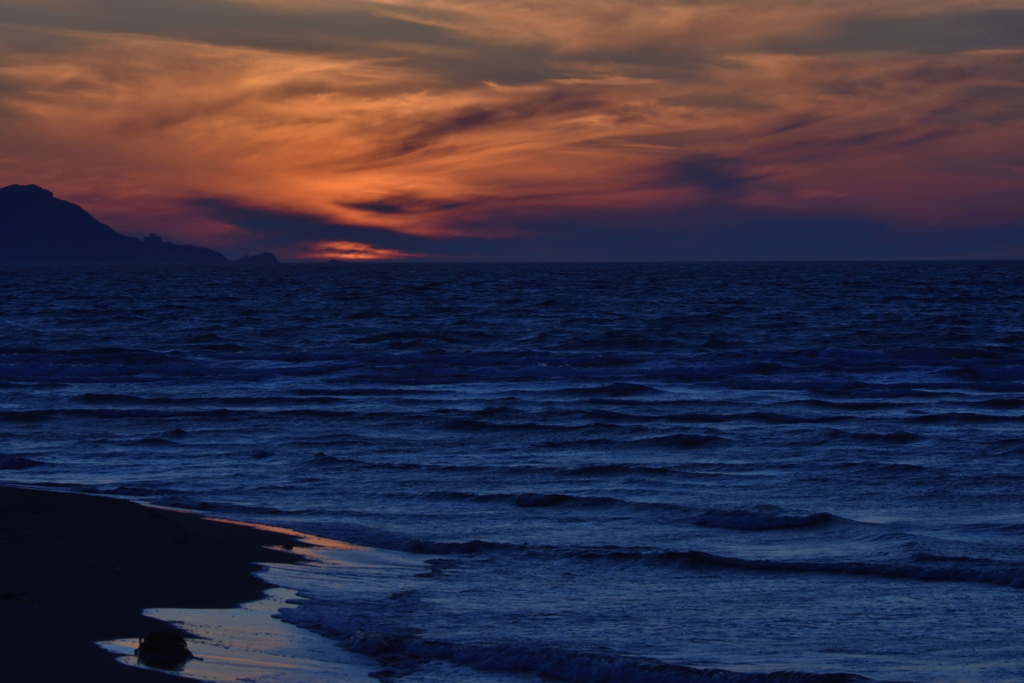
619, 106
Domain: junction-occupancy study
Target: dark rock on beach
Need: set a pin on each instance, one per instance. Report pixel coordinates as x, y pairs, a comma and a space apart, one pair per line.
163, 650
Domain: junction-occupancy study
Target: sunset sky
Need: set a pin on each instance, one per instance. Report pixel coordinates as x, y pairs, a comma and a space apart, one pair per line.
527, 129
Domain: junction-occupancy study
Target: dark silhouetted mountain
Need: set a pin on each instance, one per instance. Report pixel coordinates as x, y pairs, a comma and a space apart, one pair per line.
37, 228
264, 259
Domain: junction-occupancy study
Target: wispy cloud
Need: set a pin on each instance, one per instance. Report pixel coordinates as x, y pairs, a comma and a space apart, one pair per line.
455, 121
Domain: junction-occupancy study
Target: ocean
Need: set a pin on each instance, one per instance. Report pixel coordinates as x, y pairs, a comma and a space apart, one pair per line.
575, 472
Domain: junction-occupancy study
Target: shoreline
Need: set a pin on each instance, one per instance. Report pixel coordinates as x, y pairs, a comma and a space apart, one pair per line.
77, 569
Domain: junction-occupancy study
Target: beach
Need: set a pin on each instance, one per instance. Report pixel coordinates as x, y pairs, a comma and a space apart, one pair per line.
77, 569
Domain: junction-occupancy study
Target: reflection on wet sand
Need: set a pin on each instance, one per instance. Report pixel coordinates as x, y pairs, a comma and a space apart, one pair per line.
249, 643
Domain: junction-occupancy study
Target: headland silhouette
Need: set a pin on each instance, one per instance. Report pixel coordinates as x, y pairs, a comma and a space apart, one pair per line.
36, 228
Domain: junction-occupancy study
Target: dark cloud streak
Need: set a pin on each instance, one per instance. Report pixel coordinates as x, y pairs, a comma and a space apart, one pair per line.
362, 33
723, 176
552, 102
939, 33
404, 205
277, 228
226, 23
711, 232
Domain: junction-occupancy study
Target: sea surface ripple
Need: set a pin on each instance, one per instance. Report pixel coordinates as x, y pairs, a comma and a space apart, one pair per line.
590, 472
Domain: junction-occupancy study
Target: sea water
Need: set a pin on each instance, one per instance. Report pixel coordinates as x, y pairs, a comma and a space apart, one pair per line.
614, 472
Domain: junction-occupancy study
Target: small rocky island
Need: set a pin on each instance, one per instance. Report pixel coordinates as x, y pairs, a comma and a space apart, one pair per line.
264, 259
36, 228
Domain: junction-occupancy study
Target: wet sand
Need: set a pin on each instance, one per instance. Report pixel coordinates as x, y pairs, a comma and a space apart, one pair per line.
77, 569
